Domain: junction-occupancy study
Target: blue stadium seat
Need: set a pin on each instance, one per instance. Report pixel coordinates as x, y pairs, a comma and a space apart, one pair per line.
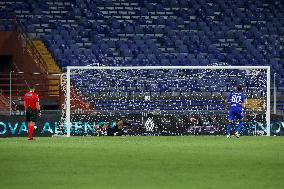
238, 33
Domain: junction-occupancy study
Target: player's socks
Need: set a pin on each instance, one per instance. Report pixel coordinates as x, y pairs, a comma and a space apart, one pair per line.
229, 128
30, 131
240, 124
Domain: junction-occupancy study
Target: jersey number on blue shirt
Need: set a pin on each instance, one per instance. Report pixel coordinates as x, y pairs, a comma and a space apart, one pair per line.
236, 99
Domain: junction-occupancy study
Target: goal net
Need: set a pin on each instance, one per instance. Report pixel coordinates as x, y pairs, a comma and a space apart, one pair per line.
163, 100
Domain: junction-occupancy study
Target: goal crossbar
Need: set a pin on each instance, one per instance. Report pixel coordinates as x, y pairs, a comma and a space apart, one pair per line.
69, 68
166, 67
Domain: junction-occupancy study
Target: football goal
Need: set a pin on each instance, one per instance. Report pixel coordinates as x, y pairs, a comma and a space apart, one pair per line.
164, 100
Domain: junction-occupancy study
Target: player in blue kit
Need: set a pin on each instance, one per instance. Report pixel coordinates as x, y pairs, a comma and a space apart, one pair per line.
236, 101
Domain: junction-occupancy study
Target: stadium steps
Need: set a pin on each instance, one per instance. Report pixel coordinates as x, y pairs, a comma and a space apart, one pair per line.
79, 102
4, 105
52, 67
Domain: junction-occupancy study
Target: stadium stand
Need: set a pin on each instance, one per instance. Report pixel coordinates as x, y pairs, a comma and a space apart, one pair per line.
3, 103
155, 32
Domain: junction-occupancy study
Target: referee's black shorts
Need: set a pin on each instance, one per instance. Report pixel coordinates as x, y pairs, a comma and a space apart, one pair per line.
31, 115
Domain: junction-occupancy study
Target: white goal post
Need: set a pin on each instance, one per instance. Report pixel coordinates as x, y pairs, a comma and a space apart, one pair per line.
70, 68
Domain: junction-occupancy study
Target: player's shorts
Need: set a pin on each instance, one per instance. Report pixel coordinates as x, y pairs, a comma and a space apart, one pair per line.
31, 115
235, 113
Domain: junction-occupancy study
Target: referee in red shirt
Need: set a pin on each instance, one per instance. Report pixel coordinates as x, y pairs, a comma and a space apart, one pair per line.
32, 109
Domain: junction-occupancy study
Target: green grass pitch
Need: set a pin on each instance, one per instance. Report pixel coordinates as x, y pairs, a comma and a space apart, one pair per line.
142, 162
